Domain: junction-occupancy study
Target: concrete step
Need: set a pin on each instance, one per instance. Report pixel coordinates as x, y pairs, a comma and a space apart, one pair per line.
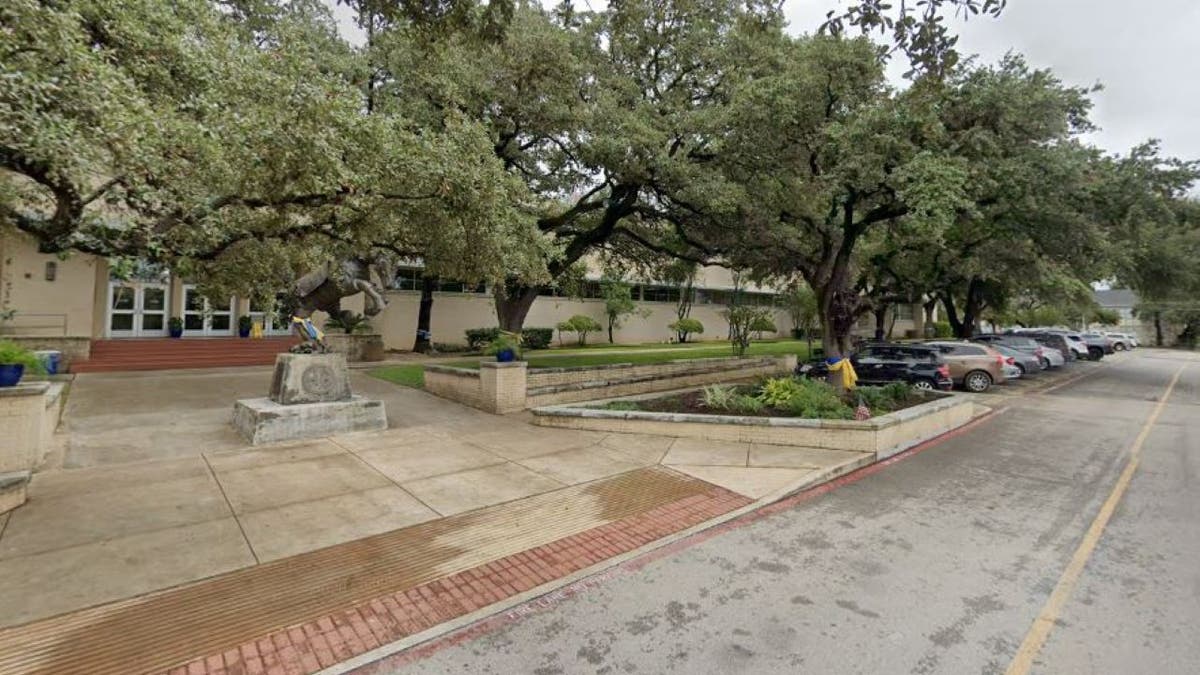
12, 490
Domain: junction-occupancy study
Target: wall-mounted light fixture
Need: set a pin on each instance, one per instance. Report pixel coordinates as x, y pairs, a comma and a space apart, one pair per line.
51, 270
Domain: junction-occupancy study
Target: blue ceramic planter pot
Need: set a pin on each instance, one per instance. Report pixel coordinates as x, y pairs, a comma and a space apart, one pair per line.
10, 374
506, 355
175, 332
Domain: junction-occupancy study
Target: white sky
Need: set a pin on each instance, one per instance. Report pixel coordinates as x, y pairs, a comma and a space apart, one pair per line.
1144, 53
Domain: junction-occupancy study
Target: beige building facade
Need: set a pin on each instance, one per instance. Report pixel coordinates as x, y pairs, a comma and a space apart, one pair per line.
77, 296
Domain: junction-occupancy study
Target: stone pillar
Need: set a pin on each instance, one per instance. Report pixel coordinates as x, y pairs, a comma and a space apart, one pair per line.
787, 363
21, 411
502, 386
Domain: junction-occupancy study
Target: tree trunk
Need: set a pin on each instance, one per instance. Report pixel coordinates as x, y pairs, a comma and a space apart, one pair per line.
972, 309
880, 313
512, 305
928, 307
611, 321
951, 312
1158, 330
424, 341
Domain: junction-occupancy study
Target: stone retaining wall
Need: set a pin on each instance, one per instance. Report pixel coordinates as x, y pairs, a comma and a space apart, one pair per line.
569, 385
511, 387
884, 436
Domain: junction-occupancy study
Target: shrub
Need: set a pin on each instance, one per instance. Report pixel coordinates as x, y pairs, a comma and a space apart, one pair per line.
581, 325
685, 327
741, 319
763, 324
942, 329
14, 354
478, 338
449, 348
777, 392
719, 397
504, 340
812, 398
745, 404
886, 398
536, 338
349, 322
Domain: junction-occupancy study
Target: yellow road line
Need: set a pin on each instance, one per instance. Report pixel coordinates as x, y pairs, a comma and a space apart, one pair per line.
1039, 632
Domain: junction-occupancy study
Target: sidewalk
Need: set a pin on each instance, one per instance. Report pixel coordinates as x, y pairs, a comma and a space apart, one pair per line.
215, 546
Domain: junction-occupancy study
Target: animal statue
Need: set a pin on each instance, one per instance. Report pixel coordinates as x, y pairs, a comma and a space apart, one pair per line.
323, 290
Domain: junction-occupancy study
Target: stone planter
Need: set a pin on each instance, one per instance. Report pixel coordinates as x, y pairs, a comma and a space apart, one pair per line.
356, 347
884, 436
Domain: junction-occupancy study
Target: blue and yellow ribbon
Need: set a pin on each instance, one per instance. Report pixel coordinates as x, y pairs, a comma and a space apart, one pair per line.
843, 366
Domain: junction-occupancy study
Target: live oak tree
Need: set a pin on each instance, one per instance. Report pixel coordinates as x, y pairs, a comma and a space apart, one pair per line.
231, 141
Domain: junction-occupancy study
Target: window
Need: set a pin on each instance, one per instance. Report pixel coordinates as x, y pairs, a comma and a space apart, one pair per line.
904, 312
965, 350
660, 293
407, 279
410, 279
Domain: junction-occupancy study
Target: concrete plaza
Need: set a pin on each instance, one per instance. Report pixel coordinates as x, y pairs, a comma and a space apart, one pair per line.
151, 487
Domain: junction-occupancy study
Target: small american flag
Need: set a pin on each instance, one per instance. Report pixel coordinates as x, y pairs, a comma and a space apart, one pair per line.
862, 412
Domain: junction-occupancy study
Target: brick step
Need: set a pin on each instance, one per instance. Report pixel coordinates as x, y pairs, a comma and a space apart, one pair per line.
107, 367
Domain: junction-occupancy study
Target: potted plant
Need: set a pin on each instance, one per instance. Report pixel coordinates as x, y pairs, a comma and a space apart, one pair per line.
245, 323
175, 326
14, 360
506, 347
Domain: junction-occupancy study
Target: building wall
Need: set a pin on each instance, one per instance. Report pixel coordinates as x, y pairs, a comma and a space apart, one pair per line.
65, 306
454, 313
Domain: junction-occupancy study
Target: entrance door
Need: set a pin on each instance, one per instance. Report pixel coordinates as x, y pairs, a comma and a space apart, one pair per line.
200, 317
137, 309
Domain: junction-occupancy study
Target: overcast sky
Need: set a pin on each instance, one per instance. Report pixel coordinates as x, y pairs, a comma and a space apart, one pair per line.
1144, 53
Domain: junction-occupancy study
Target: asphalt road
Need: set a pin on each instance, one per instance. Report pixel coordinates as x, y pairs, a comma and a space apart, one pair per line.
939, 563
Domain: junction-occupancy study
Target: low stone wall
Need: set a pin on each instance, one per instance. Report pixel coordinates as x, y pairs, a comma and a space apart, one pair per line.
356, 347
884, 436
511, 387
72, 348
553, 386
29, 414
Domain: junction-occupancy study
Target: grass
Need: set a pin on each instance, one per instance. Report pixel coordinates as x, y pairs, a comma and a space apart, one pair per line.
413, 374
545, 359
408, 375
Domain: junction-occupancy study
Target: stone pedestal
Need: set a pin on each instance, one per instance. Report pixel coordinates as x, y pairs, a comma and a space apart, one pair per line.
357, 347
310, 398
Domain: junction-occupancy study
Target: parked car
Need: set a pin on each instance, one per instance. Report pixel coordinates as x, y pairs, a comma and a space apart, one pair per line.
1098, 345
1026, 363
883, 362
974, 367
1047, 357
1054, 339
1121, 341
1078, 345
1012, 372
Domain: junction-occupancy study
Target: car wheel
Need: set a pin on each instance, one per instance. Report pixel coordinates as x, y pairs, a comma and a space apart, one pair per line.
1045, 364
977, 382
923, 385
1120, 347
1095, 353
1021, 369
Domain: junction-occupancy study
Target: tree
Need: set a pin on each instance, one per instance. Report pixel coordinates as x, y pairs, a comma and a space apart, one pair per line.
742, 321
233, 146
686, 327
581, 325
618, 303
763, 324
802, 308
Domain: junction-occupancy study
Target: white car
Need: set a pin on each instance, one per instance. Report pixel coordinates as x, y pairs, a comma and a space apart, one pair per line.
1123, 341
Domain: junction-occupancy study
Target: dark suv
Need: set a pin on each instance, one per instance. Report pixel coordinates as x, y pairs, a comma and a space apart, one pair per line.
921, 366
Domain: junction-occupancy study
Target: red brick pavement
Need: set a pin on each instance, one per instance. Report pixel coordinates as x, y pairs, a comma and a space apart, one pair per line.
309, 647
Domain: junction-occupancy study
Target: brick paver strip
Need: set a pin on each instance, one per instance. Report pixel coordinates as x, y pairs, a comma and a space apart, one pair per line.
303, 613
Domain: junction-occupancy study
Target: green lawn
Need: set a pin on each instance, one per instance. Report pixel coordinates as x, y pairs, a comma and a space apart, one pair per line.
413, 375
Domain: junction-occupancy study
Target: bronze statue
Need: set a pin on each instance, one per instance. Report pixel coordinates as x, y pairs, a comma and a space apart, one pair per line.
324, 289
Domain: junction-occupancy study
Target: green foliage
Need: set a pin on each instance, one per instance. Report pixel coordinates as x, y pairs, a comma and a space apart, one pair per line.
942, 329
504, 341
618, 303
349, 322
886, 398
719, 397
245, 322
12, 353
686, 327
478, 338
803, 398
581, 325
175, 323
408, 375
621, 405
536, 338
742, 320
763, 324
1106, 317
777, 392
449, 348
801, 304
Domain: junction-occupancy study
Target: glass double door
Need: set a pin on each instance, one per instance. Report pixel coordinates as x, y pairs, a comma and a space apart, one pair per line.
202, 317
137, 309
